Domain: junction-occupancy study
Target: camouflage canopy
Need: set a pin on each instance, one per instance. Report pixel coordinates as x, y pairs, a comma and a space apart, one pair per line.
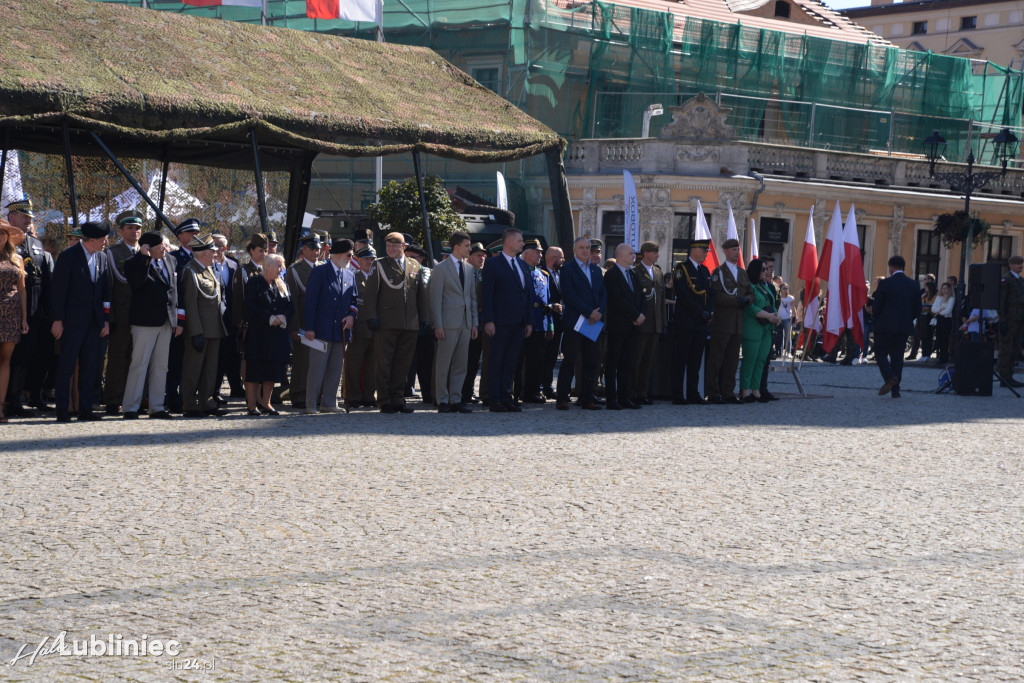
168, 86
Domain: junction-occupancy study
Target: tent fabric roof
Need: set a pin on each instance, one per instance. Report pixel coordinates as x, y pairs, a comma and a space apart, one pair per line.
162, 84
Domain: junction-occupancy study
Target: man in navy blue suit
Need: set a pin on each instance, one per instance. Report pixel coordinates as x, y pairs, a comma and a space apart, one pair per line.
583, 294
81, 307
897, 305
507, 317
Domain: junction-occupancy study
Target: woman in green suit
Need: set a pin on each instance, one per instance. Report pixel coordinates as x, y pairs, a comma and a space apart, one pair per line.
759, 321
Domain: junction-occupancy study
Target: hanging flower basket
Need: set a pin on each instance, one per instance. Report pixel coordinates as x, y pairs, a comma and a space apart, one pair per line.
952, 228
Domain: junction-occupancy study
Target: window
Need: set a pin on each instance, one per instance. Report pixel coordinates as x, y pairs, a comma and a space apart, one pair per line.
1000, 249
782, 9
926, 253
968, 23
920, 27
613, 231
489, 77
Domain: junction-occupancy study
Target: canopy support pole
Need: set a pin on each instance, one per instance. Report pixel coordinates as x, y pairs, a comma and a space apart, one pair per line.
560, 203
298, 194
163, 184
423, 207
3, 159
131, 179
72, 192
259, 180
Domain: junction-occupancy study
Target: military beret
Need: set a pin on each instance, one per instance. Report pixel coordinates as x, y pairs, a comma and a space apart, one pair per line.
95, 230
730, 243
151, 239
341, 246
648, 247
476, 248
201, 243
23, 205
187, 225
129, 217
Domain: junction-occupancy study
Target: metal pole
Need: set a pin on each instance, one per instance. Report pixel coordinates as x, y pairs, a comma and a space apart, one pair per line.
965, 254
423, 206
72, 193
810, 128
163, 183
131, 179
259, 180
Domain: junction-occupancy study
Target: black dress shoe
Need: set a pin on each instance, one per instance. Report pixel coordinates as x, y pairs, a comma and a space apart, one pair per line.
252, 412
590, 406
220, 400
20, 411
42, 407
599, 401
89, 417
749, 398
631, 405
113, 410
388, 409
763, 399
444, 408
513, 407
130, 415
562, 405
896, 392
696, 401
646, 402
461, 408
716, 400
143, 410
613, 406
405, 410
498, 408
161, 415
217, 412
192, 413
473, 399
536, 398
63, 417
549, 393
732, 400
770, 395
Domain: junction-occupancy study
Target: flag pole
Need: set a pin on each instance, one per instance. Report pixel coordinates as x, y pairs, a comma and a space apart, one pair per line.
263, 13
378, 181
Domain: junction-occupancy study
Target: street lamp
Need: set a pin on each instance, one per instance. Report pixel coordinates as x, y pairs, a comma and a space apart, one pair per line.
652, 110
1005, 143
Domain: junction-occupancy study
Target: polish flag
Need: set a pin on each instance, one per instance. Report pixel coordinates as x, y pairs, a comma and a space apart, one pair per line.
732, 233
753, 243
808, 273
350, 10
851, 277
703, 233
224, 3
830, 268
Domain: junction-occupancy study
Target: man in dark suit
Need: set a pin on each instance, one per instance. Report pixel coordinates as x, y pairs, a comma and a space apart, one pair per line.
330, 303
553, 260
695, 305
897, 305
507, 317
81, 306
626, 305
153, 315
33, 356
583, 295
229, 361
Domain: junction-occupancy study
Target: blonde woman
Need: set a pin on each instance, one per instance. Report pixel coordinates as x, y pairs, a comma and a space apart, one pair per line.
13, 304
268, 306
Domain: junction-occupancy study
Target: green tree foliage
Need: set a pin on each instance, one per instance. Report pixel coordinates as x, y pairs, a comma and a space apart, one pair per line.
399, 209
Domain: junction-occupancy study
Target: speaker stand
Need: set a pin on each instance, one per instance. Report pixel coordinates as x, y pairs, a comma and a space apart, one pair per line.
1004, 383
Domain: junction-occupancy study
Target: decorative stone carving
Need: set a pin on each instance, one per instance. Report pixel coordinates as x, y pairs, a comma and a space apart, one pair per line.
589, 195
588, 212
896, 227
693, 203
1006, 227
820, 218
699, 119
779, 208
697, 153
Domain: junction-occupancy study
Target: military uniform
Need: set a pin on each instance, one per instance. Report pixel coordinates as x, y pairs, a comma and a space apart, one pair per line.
297, 278
201, 299
1011, 312
695, 303
393, 297
119, 341
533, 348
360, 369
184, 231
651, 329
732, 294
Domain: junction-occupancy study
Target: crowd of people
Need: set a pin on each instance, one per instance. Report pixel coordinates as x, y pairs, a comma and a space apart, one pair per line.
144, 327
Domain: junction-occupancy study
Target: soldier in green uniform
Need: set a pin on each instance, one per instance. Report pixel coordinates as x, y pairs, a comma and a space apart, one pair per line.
731, 288
652, 282
296, 279
360, 380
119, 344
204, 328
393, 298
1011, 321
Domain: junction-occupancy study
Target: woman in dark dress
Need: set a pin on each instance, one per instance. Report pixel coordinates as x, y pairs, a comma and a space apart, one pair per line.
268, 305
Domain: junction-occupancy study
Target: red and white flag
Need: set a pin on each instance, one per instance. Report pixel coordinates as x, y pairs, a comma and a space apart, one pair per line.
854, 287
732, 233
808, 272
829, 268
754, 253
349, 10
224, 3
703, 233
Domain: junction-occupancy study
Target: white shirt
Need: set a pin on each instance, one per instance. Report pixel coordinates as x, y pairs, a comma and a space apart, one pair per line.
650, 270
585, 267
90, 258
734, 269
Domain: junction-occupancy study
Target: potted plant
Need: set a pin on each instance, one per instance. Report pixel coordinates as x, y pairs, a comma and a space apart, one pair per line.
952, 228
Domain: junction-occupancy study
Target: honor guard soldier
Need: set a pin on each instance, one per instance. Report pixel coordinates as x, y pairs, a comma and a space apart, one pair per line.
33, 355
119, 343
393, 298
652, 283
297, 277
185, 232
554, 257
731, 288
695, 305
204, 329
360, 378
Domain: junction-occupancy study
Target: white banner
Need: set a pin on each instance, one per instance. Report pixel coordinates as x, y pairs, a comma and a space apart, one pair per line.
632, 227
502, 193
12, 180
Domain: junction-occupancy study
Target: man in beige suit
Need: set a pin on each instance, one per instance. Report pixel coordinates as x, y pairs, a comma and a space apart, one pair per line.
296, 279
393, 297
453, 314
731, 289
204, 328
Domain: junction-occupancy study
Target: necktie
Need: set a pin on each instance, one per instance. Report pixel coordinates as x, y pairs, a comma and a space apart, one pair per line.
629, 281
92, 267
462, 276
586, 273
519, 273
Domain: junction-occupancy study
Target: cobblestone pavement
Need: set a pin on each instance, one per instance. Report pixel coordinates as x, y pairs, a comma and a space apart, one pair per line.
842, 537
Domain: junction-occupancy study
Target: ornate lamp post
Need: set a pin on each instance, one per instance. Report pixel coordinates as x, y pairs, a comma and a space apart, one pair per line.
1005, 143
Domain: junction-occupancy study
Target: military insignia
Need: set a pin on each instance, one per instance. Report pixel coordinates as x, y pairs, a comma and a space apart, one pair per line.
714, 278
